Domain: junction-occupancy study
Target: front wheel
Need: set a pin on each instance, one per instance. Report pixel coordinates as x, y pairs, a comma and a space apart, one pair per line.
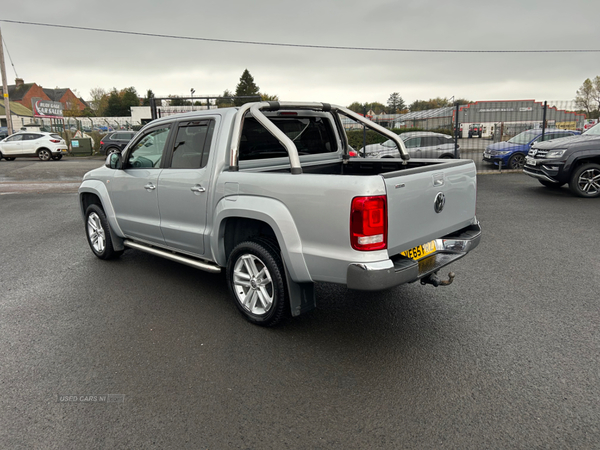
44, 154
256, 278
516, 161
585, 181
57, 157
98, 233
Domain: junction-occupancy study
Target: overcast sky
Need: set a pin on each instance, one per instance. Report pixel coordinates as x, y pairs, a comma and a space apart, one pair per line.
82, 60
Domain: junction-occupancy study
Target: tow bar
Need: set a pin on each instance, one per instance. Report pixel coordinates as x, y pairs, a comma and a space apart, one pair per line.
435, 281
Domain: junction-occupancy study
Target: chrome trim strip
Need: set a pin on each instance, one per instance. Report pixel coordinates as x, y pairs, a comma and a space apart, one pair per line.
174, 257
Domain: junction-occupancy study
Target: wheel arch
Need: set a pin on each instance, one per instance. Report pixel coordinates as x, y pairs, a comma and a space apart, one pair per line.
236, 221
94, 192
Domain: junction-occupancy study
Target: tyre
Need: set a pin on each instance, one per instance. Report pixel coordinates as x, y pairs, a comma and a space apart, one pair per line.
550, 184
44, 154
585, 181
516, 161
111, 150
98, 233
256, 278
9, 159
57, 157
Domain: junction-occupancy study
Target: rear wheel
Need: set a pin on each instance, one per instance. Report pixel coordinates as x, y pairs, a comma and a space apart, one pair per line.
111, 150
585, 181
98, 233
9, 159
516, 161
44, 154
256, 278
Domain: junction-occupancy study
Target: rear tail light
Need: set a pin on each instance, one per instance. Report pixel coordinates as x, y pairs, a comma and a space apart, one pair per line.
101, 142
55, 141
368, 223
352, 153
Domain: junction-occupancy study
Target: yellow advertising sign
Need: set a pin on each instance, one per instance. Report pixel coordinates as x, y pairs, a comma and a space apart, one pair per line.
566, 125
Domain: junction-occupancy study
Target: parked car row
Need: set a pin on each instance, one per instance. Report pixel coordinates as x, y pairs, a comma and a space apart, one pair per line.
45, 146
511, 154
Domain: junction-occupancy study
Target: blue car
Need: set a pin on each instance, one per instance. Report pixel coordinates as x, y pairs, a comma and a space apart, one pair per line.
512, 152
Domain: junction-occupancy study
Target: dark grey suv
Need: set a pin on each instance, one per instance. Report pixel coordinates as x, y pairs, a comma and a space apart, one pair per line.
115, 141
574, 160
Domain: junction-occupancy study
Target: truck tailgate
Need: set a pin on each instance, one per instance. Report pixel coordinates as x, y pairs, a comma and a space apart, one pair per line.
412, 194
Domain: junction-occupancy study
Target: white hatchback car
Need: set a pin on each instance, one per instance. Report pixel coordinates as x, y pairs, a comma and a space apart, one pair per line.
44, 145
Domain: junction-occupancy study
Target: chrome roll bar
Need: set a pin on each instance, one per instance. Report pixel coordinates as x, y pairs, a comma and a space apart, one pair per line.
256, 110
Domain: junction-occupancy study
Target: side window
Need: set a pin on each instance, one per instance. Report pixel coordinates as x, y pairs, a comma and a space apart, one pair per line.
15, 138
429, 141
413, 142
192, 144
147, 152
549, 136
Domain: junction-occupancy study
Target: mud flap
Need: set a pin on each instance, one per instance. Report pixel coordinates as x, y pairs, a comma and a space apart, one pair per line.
302, 295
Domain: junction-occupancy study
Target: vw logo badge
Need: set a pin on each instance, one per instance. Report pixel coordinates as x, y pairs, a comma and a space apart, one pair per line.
439, 202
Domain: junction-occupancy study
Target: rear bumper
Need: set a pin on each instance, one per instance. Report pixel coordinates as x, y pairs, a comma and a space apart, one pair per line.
400, 269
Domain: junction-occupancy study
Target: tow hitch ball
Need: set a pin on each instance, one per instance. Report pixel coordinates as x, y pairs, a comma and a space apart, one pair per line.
435, 281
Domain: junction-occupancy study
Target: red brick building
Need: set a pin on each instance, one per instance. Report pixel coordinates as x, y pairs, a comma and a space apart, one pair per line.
22, 93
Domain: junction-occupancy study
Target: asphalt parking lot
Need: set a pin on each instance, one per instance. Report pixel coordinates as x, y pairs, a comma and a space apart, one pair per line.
146, 353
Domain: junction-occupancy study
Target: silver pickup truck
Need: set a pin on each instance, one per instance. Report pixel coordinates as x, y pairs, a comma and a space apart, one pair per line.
268, 193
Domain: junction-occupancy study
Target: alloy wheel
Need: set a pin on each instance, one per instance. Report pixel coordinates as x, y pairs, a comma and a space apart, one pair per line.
96, 233
253, 285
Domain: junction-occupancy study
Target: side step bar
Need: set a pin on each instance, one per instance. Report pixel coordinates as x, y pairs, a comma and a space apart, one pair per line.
208, 267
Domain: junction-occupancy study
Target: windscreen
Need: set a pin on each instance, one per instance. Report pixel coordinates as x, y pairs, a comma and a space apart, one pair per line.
311, 135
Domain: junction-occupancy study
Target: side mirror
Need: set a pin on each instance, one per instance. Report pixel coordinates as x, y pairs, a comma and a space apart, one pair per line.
114, 161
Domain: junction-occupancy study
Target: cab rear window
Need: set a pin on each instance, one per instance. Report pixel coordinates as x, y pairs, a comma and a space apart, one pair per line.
311, 135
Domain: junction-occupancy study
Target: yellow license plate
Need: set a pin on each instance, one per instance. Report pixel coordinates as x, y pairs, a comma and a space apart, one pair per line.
420, 251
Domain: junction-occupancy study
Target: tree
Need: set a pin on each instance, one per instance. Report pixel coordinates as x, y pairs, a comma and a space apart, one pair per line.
129, 98
395, 104
432, 103
99, 101
269, 98
178, 101
359, 108
584, 97
225, 100
246, 86
146, 100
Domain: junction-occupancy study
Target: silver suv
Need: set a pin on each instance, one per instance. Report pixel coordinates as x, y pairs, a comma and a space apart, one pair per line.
420, 144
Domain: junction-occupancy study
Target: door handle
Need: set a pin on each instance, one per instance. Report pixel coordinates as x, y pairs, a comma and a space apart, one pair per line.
149, 187
198, 189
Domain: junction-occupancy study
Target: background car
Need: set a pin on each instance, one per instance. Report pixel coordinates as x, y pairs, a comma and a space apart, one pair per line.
44, 145
116, 141
512, 152
574, 160
3, 132
419, 144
